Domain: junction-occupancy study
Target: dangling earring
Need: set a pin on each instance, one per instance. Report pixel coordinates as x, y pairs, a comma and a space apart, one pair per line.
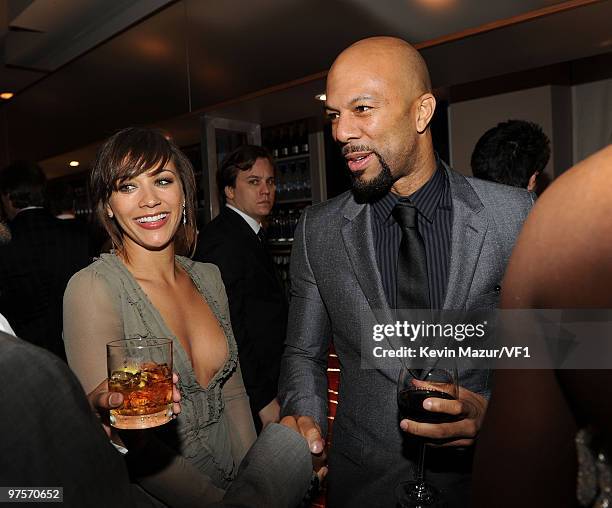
110, 214
184, 215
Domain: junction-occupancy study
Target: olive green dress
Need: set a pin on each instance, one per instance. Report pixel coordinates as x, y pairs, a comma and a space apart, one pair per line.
195, 457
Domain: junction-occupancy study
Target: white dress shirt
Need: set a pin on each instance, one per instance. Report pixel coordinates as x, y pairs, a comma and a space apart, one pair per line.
5, 326
255, 226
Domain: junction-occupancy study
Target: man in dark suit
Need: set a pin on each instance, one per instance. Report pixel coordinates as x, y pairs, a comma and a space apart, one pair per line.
355, 260
38, 262
235, 242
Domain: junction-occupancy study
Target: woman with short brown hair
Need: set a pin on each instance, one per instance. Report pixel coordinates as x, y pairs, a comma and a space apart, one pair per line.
144, 194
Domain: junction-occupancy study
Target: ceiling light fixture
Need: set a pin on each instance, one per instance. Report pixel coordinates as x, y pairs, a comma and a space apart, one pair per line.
321, 97
74, 164
6, 95
436, 4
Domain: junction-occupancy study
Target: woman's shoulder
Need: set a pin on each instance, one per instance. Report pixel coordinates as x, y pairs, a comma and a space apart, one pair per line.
207, 275
101, 272
206, 270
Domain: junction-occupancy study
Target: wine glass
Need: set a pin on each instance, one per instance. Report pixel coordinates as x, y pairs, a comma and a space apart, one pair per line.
413, 387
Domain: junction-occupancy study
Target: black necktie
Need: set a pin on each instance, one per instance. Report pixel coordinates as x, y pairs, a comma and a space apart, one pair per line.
262, 236
412, 290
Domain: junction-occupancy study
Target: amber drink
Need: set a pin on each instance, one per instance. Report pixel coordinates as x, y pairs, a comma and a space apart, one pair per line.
141, 370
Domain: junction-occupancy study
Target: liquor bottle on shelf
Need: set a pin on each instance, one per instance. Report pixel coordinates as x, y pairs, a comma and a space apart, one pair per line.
274, 143
281, 227
281, 181
284, 142
291, 224
303, 177
295, 143
303, 138
272, 231
289, 145
289, 175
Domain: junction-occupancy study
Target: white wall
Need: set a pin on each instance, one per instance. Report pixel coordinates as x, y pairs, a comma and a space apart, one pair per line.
592, 117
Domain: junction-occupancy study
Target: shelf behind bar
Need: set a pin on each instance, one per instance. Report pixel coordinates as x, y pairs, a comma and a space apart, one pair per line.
290, 158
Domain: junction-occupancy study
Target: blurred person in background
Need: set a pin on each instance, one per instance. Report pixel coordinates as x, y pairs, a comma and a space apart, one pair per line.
5, 231
40, 259
513, 153
62, 202
235, 242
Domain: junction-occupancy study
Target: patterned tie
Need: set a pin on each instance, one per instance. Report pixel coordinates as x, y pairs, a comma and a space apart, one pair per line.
412, 290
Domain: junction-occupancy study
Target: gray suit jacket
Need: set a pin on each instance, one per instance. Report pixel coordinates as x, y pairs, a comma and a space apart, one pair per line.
334, 278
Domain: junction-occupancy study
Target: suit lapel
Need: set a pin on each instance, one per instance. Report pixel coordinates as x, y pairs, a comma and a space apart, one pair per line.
467, 235
241, 226
468, 232
359, 244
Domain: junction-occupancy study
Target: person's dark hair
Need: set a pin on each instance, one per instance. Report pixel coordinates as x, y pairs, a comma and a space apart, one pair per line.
129, 153
510, 153
61, 198
24, 183
241, 159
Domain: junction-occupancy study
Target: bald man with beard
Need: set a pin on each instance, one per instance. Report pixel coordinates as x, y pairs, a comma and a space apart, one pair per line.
345, 263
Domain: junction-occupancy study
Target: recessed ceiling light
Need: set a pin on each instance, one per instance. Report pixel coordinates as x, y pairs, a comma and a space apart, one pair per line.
436, 4
6, 95
321, 97
74, 164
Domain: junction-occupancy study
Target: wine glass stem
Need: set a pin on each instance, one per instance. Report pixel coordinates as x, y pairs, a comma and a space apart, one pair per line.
420, 471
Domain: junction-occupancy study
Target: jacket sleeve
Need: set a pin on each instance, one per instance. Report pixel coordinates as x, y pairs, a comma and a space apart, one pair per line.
303, 379
275, 473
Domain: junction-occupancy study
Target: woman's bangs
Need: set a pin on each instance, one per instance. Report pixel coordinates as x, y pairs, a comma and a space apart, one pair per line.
136, 163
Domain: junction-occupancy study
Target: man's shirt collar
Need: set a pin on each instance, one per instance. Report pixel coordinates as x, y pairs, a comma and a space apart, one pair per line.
426, 199
255, 226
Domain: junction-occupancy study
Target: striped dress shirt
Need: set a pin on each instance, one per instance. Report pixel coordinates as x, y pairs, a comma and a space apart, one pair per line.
435, 216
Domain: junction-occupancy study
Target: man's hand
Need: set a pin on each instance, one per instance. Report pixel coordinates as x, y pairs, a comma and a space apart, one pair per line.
102, 401
469, 406
269, 413
307, 427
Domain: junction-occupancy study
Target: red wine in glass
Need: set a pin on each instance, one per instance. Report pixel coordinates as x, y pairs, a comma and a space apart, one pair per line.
413, 387
410, 402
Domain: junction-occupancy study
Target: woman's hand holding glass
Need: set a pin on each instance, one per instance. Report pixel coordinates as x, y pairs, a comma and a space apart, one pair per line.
102, 401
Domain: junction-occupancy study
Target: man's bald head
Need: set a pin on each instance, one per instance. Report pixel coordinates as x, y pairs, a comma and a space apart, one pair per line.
380, 107
392, 58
